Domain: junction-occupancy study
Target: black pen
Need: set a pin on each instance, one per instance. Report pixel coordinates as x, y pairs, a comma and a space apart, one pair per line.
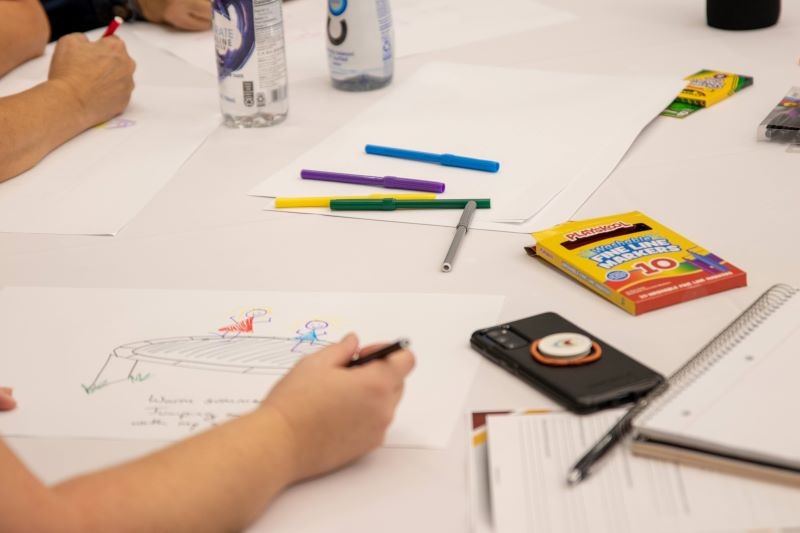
378, 354
618, 431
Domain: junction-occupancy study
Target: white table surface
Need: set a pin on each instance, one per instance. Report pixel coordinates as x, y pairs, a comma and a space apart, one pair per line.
705, 177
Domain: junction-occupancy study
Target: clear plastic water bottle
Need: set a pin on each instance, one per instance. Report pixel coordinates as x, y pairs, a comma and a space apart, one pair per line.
251, 62
360, 44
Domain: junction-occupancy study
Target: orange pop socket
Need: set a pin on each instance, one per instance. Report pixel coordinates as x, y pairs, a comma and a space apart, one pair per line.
565, 349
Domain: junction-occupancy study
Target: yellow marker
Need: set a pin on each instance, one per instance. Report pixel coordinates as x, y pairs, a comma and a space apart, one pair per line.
324, 201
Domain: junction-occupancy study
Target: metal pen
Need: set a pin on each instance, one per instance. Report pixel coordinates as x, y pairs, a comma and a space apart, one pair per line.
461, 230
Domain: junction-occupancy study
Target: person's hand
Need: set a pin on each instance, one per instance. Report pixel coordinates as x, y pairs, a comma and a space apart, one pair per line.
191, 15
336, 414
7, 400
98, 74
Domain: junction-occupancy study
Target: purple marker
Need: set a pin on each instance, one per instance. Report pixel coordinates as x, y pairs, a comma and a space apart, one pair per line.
390, 182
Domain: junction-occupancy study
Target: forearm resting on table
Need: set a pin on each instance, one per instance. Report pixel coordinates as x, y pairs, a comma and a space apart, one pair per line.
24, 32
220, 480
35, 122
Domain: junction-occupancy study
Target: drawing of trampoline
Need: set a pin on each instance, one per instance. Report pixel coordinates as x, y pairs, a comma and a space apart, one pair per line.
242, 354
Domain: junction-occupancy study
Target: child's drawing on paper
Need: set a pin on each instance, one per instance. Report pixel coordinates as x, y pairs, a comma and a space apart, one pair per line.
245, 323
233, 349
310, 334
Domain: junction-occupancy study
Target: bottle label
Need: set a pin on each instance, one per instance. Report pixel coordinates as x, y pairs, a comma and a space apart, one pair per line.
360, 38
251, 60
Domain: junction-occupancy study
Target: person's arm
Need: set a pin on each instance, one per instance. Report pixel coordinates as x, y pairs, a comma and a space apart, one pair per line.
24, 32
89, 82
191, 15
321, 416
7, 401
68, 16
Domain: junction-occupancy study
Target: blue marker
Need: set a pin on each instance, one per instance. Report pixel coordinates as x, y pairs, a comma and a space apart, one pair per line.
448, 160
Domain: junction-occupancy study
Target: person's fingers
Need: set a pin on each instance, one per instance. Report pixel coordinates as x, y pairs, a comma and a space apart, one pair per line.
7, 401
201, 10
341, 353
369, 348
112, 43
77, 37
189, 22
402, 362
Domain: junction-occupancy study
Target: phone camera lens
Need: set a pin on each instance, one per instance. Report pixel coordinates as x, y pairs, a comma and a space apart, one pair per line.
507, 338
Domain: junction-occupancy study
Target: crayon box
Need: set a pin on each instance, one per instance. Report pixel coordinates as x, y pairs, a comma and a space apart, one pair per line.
707, 87
634, 262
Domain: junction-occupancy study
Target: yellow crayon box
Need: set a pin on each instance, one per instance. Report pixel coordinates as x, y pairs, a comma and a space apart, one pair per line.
634, 262
707, 87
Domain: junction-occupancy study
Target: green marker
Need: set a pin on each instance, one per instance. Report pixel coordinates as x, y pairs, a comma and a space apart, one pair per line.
390, 204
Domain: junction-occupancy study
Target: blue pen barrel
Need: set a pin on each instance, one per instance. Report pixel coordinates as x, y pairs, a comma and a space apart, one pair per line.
401, 153
449, 160
485, 165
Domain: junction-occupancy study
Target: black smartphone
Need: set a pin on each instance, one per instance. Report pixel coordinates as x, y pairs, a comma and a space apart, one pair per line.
612, 379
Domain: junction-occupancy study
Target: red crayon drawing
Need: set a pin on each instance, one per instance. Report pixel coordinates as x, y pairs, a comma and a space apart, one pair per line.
242, 326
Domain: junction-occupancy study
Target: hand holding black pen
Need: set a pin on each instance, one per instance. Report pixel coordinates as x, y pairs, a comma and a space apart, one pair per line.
380, 353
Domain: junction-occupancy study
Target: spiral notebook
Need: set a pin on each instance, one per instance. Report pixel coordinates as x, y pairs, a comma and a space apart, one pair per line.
735, 405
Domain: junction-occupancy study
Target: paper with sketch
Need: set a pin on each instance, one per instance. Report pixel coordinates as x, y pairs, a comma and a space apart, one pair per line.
96, 182
529, 457
420, 26
549, 131
161, 364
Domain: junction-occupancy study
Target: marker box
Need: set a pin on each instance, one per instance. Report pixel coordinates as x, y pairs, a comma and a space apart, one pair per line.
634, 262
706, 88
783, 122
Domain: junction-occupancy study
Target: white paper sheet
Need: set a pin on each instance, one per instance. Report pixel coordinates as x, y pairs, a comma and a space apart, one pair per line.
98, 181
194, 47
480, 505
420, 26
159, 364
529, 457
557, 136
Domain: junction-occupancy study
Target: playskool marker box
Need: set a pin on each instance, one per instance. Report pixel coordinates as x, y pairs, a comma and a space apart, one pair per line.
635, 262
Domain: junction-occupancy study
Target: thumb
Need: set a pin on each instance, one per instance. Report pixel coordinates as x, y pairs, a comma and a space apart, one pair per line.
6, 399
341, 353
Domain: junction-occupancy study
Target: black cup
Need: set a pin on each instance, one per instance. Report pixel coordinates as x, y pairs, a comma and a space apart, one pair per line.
742, 14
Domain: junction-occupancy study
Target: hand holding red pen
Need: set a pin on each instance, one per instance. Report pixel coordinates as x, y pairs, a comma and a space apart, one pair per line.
96, 77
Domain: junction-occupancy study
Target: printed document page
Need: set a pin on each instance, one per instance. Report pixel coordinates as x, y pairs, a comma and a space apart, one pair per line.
529, 457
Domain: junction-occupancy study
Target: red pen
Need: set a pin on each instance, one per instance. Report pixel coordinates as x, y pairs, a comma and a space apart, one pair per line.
112, 27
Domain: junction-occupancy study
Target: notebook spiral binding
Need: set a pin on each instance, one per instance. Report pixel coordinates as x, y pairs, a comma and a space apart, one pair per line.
717, 348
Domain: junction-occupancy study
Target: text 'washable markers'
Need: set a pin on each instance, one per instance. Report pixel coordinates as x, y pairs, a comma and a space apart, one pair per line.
448, 160
325, 201
390, 182
390, 204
